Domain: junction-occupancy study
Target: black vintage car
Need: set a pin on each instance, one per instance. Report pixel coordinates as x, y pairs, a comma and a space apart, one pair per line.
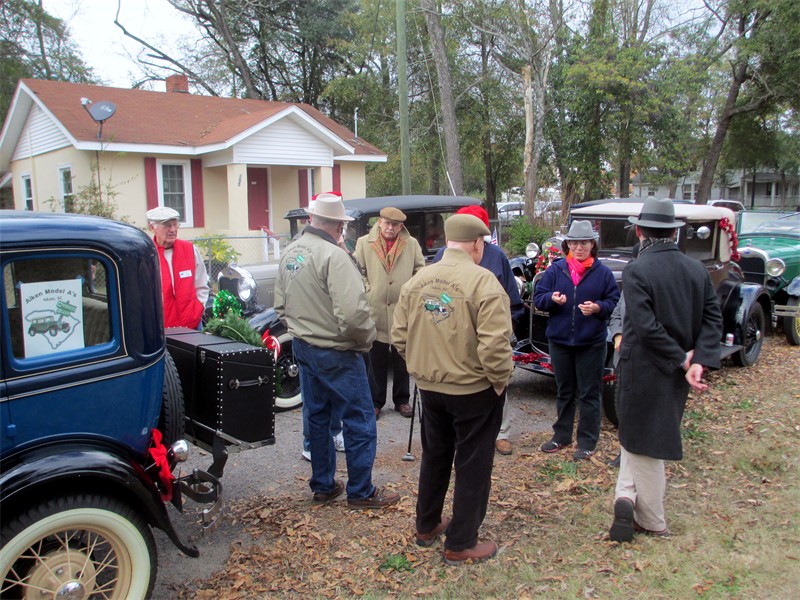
425, 216
91, 413
707, 236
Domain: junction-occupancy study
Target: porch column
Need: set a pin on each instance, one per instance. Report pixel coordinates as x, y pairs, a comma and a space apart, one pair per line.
325, 179
237, 198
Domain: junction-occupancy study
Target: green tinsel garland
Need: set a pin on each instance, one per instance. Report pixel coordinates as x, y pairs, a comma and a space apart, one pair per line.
224, 303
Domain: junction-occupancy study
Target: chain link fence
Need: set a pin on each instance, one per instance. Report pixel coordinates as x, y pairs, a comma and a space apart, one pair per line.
246, 251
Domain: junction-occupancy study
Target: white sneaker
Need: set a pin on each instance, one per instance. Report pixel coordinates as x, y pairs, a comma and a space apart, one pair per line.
338, 442
307, 455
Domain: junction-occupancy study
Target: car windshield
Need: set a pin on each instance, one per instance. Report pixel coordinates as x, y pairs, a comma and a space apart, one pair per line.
787, 226
749, 220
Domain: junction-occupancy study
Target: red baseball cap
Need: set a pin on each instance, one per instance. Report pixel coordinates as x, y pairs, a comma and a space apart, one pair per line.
475, 211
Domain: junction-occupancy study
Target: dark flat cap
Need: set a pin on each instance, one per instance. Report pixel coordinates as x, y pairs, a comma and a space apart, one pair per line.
464, 228
393, 214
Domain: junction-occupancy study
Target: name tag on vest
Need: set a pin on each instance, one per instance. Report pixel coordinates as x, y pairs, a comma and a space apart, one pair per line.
184, 274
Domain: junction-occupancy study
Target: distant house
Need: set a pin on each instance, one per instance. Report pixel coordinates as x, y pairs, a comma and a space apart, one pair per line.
765, 189
227, 165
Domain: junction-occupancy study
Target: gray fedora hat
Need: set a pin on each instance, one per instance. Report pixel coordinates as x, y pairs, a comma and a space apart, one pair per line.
658, 213
581, 230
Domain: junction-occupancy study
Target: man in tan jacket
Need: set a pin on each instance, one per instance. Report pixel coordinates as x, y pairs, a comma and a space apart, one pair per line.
452, 324
388, 256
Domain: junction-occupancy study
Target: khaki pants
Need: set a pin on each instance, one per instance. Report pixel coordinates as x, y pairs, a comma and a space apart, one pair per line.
643, 481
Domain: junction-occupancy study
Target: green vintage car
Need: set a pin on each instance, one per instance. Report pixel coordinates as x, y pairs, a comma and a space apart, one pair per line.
770, 255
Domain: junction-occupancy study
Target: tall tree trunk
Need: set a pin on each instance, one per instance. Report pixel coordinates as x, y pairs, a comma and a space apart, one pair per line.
714, 152
449, 124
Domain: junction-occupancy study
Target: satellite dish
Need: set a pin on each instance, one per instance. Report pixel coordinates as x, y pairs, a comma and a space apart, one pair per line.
102, 111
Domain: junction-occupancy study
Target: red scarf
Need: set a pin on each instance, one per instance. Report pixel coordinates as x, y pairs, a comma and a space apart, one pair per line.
578, 268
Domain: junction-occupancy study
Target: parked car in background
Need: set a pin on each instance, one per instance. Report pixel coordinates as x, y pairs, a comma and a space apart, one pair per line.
507, 211
733, 205
708, 236
770, 256
547, 208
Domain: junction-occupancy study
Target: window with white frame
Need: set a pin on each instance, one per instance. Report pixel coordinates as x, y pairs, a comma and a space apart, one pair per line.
688, 191
652, 190
27, 190
175, 188
65, 181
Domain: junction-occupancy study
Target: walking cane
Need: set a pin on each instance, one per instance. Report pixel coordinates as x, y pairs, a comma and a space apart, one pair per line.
408, 456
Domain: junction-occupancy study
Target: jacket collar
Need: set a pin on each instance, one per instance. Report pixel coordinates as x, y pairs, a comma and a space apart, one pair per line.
375, 232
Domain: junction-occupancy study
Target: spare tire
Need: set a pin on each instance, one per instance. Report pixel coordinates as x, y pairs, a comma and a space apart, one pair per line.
171, 420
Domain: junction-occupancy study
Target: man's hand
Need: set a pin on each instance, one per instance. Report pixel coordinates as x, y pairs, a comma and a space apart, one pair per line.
694, 375
559, 298
589, 308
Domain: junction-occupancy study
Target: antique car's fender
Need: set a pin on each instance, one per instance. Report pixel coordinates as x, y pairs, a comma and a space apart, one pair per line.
85, 467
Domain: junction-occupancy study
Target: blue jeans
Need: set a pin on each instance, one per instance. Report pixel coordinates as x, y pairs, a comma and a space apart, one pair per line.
336, 423
336, 381
579, 373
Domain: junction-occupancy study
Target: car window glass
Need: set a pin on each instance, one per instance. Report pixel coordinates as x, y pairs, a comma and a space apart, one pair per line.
56, 305
434, 230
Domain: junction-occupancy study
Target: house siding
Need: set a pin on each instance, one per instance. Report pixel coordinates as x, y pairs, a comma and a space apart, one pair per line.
39, 136
283, 143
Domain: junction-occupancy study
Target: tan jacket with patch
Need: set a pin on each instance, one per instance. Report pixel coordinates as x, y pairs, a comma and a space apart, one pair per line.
320, 295
452, 324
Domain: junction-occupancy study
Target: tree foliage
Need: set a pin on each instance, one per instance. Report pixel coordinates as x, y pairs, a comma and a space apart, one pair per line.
35, 44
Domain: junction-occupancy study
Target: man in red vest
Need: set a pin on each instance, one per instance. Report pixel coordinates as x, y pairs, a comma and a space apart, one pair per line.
184, 279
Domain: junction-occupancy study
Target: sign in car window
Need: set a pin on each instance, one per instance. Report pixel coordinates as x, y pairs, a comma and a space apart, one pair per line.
52, 316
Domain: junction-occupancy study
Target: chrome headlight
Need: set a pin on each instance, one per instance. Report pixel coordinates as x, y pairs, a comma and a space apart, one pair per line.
239, 282
775, 267
532, 250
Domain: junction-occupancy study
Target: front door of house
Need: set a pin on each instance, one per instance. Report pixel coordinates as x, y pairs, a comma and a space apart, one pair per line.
257, 199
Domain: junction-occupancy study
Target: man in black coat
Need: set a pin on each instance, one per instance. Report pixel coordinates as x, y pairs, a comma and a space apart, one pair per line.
671, 331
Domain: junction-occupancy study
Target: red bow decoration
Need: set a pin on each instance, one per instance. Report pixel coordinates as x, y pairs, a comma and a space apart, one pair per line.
158, 452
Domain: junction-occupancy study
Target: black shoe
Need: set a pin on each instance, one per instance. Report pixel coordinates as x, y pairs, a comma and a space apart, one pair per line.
622, 526
582, 454
615, 463
552, 446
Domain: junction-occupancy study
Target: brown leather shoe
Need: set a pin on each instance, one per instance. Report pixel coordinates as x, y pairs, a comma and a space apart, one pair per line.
503, 447
405, 410
427, 539
381, 498
478, 553
338, 488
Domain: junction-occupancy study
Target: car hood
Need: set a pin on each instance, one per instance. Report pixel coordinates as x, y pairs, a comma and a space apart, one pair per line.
783, 247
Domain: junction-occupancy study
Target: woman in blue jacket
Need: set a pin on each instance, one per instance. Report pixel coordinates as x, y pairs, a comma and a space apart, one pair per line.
579, 293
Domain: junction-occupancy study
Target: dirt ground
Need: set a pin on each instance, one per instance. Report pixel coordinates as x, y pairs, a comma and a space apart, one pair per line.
273, 475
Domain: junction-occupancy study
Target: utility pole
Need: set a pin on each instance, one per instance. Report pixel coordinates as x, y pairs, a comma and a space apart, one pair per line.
402, 92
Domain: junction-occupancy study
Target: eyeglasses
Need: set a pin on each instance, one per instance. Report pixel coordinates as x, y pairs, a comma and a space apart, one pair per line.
392, 224
579, 242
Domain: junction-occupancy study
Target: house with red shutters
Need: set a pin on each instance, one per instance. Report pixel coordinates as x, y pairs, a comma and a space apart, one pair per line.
227, 165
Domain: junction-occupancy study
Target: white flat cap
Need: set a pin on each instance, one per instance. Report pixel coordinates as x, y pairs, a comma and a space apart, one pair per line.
162, 213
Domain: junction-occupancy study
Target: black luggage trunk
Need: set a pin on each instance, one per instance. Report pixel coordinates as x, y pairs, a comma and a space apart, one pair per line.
228, 389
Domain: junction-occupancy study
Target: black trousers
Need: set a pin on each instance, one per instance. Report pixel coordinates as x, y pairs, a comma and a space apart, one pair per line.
383, 357
458, 430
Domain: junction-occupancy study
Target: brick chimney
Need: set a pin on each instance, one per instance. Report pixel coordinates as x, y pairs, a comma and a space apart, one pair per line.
178, 83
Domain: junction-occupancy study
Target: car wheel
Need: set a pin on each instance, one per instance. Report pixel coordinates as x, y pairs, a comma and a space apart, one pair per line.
78, 547
53, 330
791, 325
171, 420
289, 396
31, 331
753, 338
65, 327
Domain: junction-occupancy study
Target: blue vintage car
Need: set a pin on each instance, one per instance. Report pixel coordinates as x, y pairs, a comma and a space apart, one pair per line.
84, 382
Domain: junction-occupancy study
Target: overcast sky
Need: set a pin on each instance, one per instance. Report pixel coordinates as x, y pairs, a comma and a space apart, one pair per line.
103, 45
